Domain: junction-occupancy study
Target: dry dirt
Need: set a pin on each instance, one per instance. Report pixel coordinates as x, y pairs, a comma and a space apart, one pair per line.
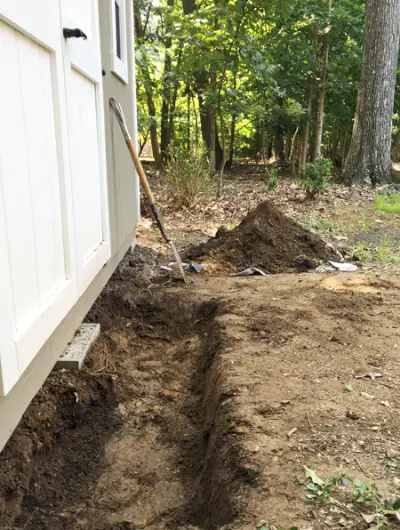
201, 404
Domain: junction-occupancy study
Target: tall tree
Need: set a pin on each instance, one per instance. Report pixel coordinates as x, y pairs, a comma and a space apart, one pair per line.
166, 88
140, 32
369, 156
319, 125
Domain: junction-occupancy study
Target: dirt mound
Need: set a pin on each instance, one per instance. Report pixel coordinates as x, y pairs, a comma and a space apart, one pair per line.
266, 239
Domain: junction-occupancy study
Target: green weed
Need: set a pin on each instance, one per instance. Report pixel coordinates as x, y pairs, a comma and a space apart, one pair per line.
362, 492
314, 177
388, 202
362, 252
271, 178
383, 251
365, 226
384, 511
323, 225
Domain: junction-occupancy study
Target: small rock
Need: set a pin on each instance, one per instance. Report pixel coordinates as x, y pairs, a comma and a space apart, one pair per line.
352, 415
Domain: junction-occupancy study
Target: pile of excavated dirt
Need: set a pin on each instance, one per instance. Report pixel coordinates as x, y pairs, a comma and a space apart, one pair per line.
266, 239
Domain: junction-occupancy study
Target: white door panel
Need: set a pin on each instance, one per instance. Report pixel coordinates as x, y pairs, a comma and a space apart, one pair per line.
86, 139
38, 282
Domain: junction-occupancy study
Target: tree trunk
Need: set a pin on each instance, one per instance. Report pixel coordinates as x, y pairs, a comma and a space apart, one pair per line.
319, 125
232, 142
166, 91
142, 144
188, 6
344, 147
396, 148
293, 150
335, 146
196, 121
150, 100
208, 122
288, 146
153, 130
172, 105
212, 127
279, 145
233, 130
188, 111
307, 125
369, 156
268, 153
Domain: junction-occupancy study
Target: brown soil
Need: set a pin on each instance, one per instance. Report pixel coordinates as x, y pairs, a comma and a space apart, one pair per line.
201, 404
266, 239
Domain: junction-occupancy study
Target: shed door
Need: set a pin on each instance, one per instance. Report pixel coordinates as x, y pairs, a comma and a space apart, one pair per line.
86, 138
38, 282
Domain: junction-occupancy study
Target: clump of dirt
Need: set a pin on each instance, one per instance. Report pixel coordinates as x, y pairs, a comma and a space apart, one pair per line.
138, 268
267, 239
57, 448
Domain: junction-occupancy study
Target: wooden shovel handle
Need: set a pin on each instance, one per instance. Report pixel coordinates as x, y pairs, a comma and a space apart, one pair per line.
139, 168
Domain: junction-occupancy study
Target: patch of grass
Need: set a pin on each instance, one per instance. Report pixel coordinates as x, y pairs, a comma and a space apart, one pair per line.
362, 252
388, 202
323, 225
383, 251
365, 226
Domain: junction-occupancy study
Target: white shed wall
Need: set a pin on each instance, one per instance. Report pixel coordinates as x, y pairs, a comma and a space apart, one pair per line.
58, 242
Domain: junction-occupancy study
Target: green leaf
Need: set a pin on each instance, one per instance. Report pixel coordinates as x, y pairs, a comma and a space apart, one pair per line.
313, 476
349, 388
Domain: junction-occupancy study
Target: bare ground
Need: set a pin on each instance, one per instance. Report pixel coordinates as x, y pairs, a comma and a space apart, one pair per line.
201, 404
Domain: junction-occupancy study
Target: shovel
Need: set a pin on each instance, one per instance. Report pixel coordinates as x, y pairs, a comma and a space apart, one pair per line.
116, 107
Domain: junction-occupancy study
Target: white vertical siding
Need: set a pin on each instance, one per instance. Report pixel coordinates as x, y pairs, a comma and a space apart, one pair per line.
123, 186
85, 164
30, 184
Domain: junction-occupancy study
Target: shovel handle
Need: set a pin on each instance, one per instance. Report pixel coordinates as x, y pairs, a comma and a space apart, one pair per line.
139, 168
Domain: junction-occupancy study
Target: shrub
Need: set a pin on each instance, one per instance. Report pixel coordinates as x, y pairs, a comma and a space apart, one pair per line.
187, 175
271, 178
314, 177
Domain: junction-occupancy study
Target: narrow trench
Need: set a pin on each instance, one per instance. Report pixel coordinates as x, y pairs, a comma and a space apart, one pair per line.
61, 495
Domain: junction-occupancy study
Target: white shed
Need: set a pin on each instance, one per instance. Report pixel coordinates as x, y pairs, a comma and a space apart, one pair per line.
69, 199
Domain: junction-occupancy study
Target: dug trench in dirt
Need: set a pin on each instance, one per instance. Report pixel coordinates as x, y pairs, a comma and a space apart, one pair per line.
200, 405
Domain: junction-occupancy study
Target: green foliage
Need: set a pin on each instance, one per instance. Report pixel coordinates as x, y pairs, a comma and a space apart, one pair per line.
365, 226
388, 202
271, 178
187, 176
314, 177
250, 62
323, 225
383, 251
363, 492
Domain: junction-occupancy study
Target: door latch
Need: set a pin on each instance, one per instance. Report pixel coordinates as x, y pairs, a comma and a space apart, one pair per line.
74, 34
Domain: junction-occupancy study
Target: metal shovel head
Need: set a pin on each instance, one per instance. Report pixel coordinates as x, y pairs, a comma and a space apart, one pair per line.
177, 259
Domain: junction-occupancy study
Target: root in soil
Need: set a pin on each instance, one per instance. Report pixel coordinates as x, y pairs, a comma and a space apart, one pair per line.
267, 239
